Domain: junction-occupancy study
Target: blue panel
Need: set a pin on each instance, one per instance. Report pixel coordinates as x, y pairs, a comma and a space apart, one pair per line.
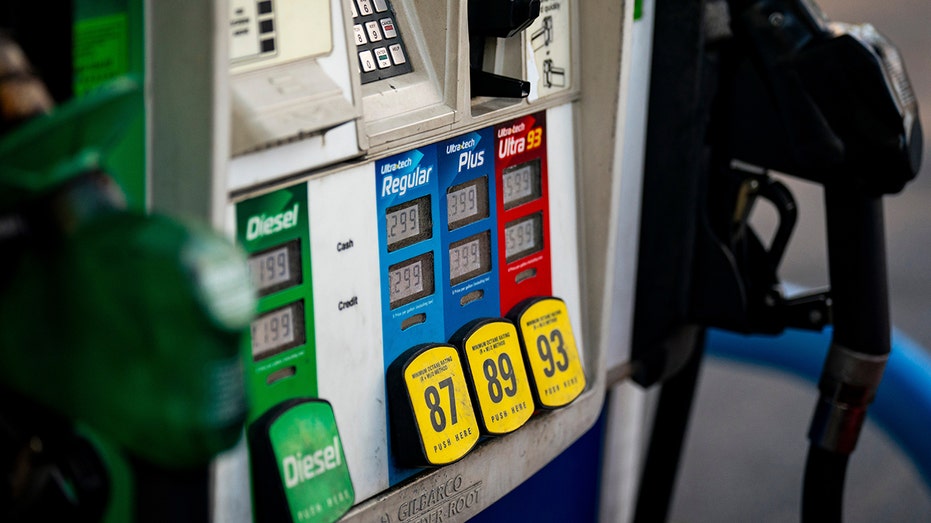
400, 179
470, 236
565, 490
408, 215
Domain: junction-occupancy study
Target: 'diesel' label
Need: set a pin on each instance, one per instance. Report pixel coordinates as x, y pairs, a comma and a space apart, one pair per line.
550, 351
311, 463
491, 349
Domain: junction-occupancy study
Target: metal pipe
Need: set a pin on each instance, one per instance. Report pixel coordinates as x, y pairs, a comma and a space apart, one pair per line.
859, 347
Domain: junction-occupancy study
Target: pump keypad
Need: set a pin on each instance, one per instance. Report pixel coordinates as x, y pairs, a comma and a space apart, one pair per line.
378, 41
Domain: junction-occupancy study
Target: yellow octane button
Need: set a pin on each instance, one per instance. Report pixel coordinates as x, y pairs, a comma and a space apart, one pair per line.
552, 356
432, 420
495, 369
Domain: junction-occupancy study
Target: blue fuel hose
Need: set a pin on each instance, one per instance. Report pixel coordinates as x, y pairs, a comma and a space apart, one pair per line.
902, 407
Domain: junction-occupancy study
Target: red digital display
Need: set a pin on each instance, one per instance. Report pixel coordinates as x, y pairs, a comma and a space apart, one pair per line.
523, 210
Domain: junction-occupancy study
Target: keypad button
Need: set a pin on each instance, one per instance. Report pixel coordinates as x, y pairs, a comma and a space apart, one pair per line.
387, 25
371, 29
381, 6
368, 62
397, 54
360, 34
381, 54
365, 7
352, 5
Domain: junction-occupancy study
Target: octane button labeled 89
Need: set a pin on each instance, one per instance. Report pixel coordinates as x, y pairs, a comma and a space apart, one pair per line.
495, 370
432, 420
552, 357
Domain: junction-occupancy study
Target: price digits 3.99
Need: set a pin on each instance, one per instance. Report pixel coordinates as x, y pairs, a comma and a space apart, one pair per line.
437, 415
495, 388
545, 350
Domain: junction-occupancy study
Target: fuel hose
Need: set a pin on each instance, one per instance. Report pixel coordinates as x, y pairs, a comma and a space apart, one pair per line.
859, 349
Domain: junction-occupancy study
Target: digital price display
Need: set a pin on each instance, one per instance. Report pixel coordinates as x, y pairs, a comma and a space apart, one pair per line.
277, 268
410, 280
408, 223
521, 183
432, 419
278, 330
555, 368
523, 237
495, 370
469, 257
467, 202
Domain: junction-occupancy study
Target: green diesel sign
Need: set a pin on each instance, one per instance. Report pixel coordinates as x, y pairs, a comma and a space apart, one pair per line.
280, 350
311, 463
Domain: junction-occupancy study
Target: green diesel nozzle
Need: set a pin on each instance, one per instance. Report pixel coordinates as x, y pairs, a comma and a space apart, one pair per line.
128, 323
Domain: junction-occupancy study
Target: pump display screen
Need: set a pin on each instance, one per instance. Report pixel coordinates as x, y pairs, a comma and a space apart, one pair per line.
410, 280
467, 202
469, 257
408, 223
521, 183
278, 330
276, 268
523, 236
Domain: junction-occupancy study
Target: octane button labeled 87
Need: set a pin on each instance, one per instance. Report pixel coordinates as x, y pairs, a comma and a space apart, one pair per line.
551, 354
432, 420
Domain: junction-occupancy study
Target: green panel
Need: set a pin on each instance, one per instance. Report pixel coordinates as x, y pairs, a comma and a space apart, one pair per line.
267, 226
312, 463
101, 50
109, 42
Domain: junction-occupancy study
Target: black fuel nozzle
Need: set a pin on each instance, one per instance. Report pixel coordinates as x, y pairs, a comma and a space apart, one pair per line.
831, 103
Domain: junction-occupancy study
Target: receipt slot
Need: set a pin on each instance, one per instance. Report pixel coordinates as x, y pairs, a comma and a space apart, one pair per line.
418, 248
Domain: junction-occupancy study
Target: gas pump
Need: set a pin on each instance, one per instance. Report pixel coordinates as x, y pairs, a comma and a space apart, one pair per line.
781, 88
421, 189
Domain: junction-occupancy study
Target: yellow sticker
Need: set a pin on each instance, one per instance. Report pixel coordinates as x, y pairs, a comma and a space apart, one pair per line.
552, 353
502, 389
442, 408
